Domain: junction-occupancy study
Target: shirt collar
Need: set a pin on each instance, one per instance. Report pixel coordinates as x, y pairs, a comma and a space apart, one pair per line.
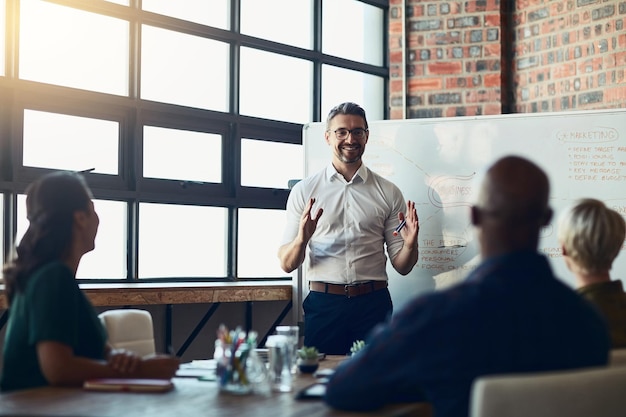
361, 173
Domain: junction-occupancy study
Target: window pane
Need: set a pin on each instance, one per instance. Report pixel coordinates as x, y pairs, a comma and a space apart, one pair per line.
69, 47
212, 13
340, 85
3, 29
108, 259
59, 141
173, 71
191, 156
280, 27
275, 86
270, 164
181, 241
260, 232
363, 22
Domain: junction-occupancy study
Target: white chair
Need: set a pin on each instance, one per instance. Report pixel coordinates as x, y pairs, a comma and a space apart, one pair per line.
130, 329
618, 357
586, 392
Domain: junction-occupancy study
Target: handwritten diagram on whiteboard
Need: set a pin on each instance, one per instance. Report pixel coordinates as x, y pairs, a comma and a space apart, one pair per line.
438, 164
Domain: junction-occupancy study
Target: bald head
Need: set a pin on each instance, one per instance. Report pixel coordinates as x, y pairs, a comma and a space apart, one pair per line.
512, 206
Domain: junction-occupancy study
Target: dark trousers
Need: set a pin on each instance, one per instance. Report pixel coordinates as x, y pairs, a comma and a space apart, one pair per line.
333, 322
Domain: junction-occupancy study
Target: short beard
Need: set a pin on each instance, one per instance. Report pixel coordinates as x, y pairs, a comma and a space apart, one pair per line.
349, 161
345, 160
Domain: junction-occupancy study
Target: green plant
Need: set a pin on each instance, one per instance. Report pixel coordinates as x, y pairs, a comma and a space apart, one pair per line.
308, 353
357, 345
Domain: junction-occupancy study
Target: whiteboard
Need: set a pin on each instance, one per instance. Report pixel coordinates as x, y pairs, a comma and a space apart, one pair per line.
438, 164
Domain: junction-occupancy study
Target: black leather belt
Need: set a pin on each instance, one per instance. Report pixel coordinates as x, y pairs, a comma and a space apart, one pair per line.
349, 290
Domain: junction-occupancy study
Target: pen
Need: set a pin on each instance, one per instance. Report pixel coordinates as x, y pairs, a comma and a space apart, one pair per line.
400, 226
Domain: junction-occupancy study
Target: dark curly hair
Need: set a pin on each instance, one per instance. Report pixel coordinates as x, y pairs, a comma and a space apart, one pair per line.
51, 202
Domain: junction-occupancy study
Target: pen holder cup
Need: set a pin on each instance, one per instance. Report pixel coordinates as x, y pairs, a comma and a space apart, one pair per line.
243, 373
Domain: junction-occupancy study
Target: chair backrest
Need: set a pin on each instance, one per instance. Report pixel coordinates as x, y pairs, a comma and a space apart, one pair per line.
130, 329
586, 392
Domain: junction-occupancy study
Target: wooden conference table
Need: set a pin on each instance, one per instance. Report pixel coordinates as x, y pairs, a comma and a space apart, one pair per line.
190, 397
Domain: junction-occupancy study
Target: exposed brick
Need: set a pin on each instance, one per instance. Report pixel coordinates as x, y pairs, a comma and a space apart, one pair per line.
616, 94
591, 97
445, 68
538, 15
425, 84
424, 25
492, 20
415, 100
492, 80
396, 113
396, 86
565, 70
564, 52
395, 56
493, 35
444, 98
464, 22
443, 38
603, 12
396, 100
583, 3
494, 108
424, 113
475, 51
395, 27
524, 63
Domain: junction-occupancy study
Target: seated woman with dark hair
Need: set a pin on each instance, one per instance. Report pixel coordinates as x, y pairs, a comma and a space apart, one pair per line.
54, 336
591, 236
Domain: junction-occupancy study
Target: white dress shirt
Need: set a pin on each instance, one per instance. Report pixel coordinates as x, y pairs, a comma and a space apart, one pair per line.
359, 218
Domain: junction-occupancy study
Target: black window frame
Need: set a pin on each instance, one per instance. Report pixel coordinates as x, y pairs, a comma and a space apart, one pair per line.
132, 113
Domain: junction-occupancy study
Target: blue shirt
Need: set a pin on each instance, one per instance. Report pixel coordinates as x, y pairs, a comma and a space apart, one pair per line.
511, 315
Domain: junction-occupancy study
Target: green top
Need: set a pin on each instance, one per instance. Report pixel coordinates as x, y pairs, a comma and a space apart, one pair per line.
610, 299
51, 308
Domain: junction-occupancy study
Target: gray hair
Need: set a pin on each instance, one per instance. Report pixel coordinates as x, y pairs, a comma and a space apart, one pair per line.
346, 108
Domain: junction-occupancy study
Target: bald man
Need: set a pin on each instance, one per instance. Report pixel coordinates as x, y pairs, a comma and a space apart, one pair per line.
510, 315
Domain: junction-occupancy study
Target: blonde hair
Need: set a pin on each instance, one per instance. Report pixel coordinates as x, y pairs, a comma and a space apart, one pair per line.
592, 234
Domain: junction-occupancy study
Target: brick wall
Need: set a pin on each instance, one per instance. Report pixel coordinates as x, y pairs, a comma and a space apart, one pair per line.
570, 55
483, 57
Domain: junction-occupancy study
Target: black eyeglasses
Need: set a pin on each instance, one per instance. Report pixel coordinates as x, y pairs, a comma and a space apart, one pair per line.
357, 133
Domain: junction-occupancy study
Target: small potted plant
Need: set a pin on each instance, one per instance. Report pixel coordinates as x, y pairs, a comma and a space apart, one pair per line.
308, 359
357, 346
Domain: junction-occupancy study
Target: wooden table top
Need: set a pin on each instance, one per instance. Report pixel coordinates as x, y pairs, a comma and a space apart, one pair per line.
143, 293
190, 397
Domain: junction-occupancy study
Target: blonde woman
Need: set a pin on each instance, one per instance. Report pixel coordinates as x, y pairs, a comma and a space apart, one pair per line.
591, 236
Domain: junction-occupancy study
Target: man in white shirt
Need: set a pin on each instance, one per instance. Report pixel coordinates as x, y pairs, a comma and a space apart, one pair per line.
343, 238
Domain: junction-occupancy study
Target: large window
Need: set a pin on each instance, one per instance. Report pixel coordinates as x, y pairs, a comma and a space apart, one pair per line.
186, 117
